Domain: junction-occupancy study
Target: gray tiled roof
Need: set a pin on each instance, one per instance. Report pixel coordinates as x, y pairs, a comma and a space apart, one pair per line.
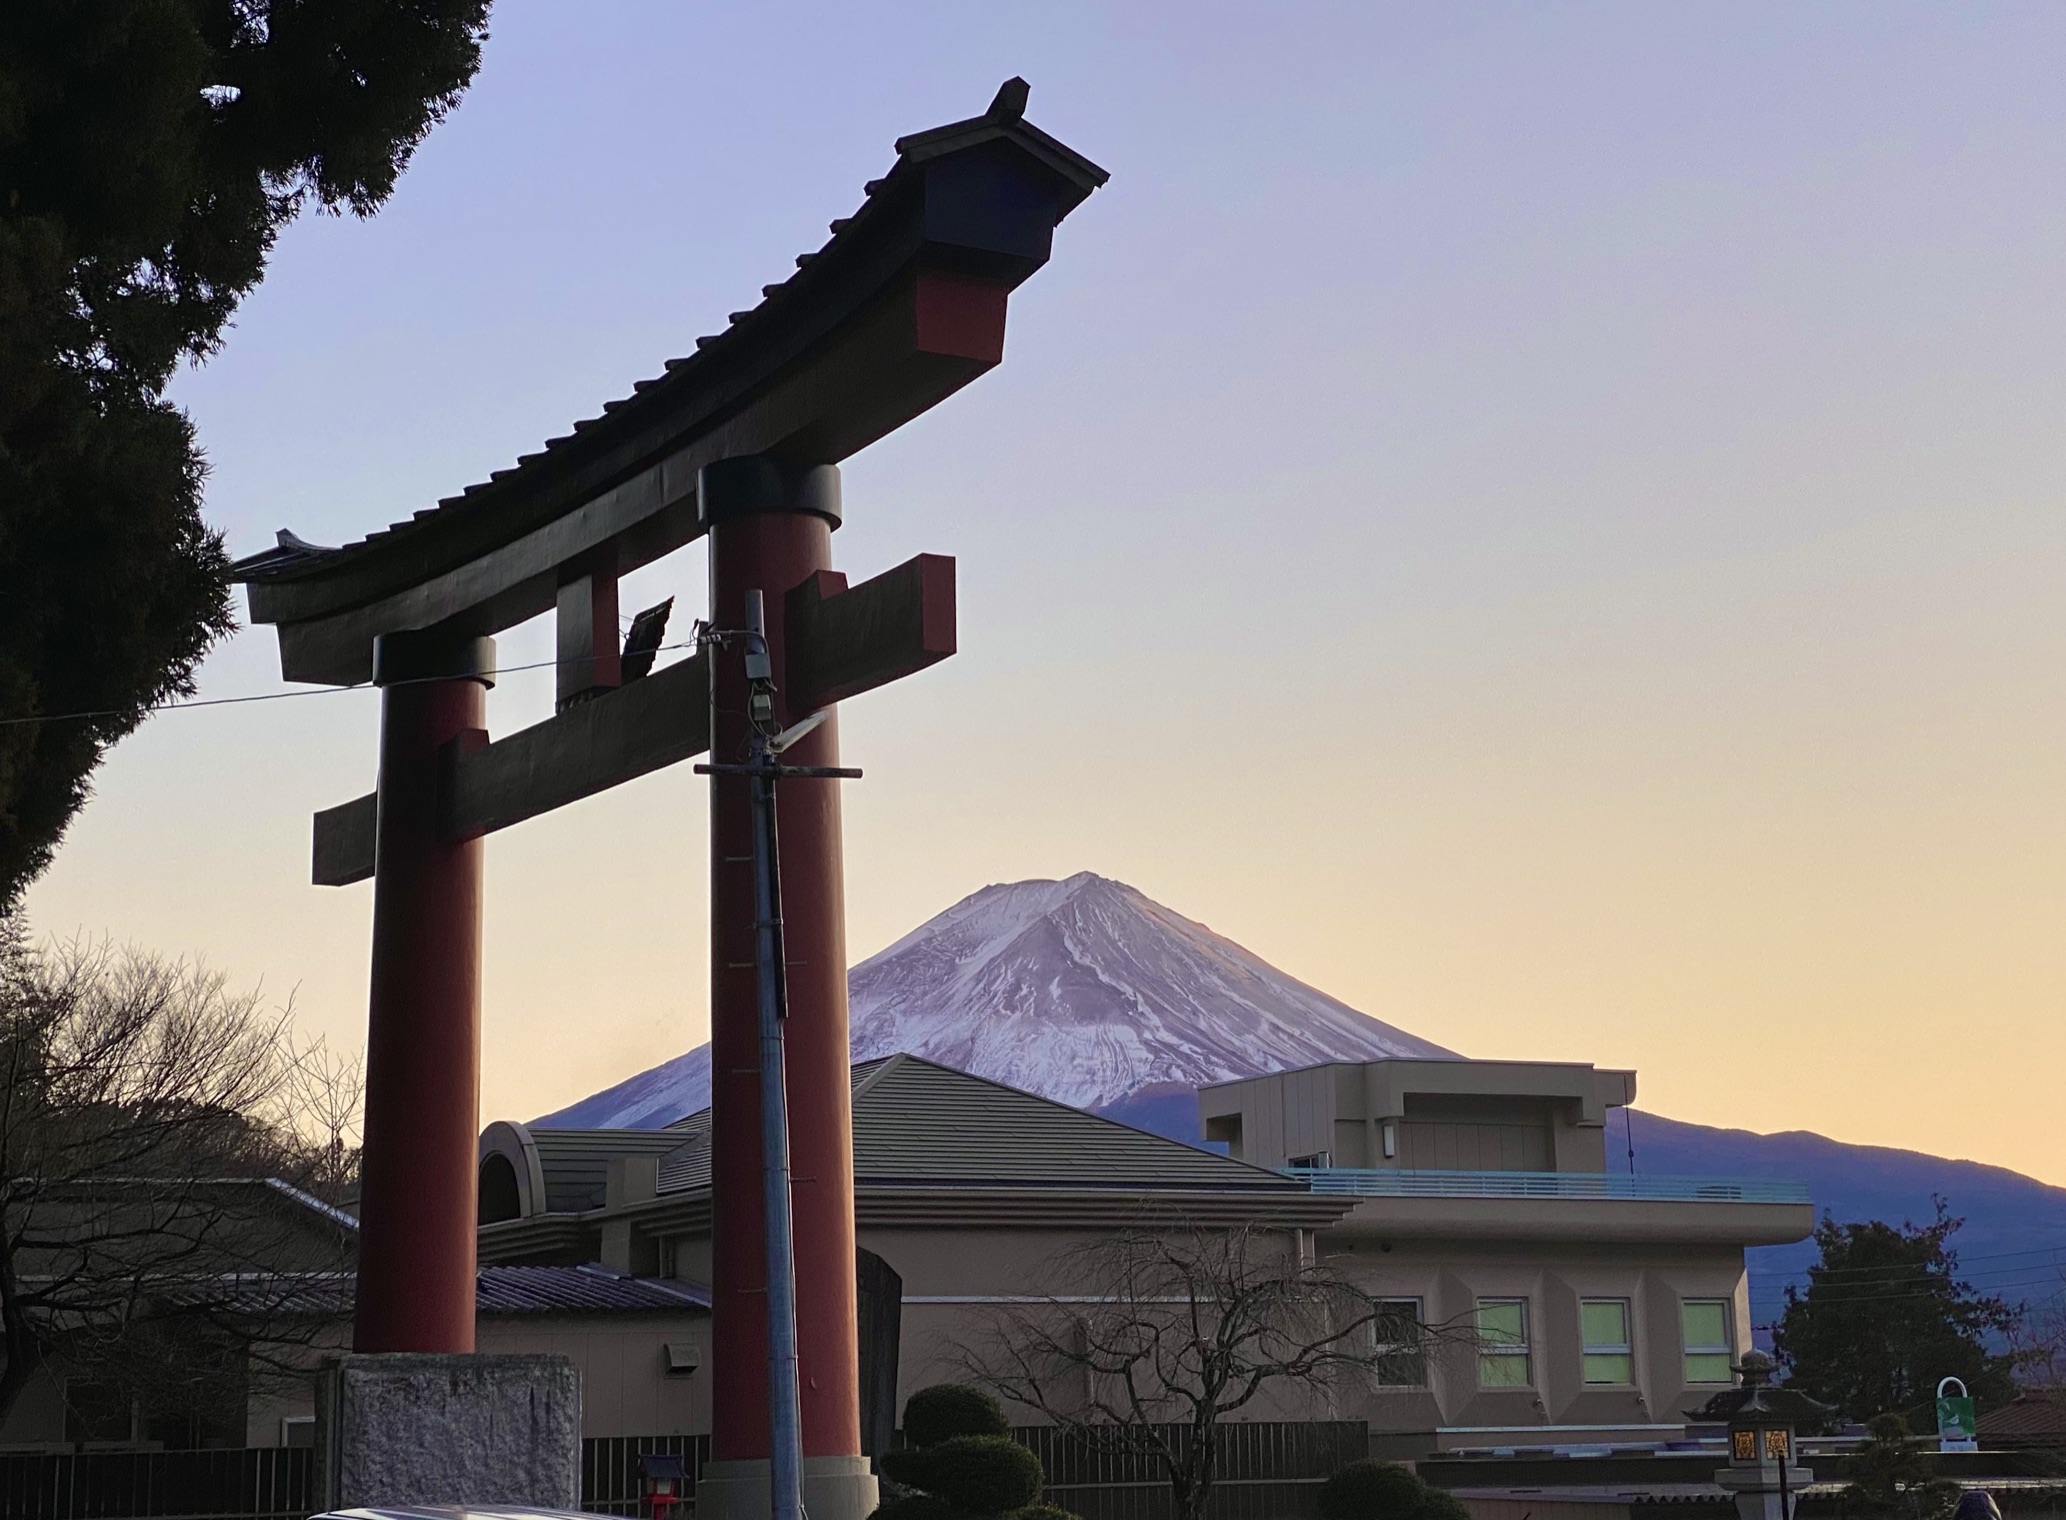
920, 1124
590, 1289
580, 1290
917, 1122
577, 1161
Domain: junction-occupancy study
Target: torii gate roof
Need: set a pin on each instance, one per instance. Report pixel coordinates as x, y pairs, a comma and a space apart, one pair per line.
899, 309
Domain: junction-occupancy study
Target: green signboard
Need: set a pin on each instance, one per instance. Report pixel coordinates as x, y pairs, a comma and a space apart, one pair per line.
1958, 1427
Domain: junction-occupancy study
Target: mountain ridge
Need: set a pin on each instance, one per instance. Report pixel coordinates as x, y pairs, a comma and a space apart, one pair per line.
1087, 991
1083, 989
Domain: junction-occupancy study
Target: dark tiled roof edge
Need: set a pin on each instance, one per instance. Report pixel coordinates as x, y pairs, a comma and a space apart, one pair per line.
293, 558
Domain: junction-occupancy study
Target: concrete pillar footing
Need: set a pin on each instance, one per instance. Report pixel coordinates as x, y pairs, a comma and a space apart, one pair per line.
834, 1488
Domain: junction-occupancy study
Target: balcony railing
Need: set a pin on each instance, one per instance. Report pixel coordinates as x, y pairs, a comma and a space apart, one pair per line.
1399, 1182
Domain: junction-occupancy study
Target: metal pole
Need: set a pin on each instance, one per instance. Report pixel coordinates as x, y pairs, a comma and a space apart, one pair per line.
785, 1424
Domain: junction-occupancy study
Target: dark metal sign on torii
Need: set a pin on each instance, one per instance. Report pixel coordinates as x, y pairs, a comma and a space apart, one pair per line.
741, 442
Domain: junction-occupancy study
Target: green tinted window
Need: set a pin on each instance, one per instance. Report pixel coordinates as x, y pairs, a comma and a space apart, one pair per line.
1703, 1367
1503, 1343
1705, 1322
1503, 1321
1604, 1324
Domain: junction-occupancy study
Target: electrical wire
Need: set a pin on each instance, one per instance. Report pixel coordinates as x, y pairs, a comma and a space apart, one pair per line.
320, 691
1894, 1272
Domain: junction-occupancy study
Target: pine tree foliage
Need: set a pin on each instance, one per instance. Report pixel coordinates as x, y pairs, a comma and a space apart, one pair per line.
150, 152
1885, 1317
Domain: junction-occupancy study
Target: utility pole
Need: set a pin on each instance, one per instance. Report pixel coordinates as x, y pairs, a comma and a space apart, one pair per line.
762, 770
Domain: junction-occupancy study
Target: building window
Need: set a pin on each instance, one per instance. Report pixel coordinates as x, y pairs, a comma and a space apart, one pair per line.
1603, 1322
1318, 1161
1399, 1339
1705, 1322
1503, 1343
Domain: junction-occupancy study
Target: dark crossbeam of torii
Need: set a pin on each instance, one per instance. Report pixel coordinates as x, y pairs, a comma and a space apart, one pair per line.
741, 441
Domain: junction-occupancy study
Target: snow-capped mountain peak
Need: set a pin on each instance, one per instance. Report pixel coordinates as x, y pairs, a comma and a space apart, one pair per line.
1083, 990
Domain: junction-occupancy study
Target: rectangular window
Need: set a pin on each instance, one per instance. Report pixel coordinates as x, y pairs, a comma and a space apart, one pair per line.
1318, 1161
1399, 1338
1705, 1323
1603, 1322
1503, 1343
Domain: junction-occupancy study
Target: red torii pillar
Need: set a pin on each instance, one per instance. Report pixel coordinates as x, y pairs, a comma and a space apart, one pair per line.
771, 531
418, 1176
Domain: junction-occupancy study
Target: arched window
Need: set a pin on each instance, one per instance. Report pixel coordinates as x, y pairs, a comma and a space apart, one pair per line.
499, 1196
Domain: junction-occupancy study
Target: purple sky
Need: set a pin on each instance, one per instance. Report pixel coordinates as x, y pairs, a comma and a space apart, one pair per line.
1542, 521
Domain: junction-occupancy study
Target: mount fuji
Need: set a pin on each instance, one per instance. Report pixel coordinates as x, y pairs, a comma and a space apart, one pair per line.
1089, 992
1083, 990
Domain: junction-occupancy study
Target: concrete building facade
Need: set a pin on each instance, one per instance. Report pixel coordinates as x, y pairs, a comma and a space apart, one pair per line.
1563, 1301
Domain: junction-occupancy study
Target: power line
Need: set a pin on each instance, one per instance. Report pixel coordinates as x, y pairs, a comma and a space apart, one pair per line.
1894, 1273
1962, 1258
1931, 1281
281, 696
1869, 1297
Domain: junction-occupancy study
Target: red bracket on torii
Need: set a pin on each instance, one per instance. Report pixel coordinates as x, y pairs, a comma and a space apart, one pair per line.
740, 442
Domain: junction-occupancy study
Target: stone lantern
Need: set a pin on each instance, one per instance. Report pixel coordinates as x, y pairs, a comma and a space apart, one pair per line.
1764, 1472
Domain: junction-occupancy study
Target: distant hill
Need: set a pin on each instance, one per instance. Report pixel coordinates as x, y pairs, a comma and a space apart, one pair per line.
1089, 992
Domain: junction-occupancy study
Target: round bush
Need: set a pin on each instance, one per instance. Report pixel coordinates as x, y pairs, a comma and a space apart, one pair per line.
1042, 1512
1373, 1491
914, 1507
982, 1475
906, 1466
1440, 1504
947, 1410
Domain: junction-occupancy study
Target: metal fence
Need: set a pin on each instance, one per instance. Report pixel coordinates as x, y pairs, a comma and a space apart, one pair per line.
252, 1483
611, 1483
1265, 1470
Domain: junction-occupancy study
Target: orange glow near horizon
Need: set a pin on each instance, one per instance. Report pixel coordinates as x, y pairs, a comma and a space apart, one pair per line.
1546, 527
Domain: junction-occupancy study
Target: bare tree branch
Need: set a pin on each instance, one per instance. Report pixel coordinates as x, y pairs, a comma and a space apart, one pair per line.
1151, 1339
149, 1118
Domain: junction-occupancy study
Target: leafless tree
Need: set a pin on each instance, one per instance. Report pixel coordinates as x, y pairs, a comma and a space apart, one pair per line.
1151, 1340
157, 1145
2037, 1341
324, 1098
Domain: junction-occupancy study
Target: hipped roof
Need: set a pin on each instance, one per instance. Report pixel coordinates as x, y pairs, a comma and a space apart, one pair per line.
921, 1124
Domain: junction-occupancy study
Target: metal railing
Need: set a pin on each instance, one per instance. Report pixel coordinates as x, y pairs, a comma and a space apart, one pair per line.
612, 1482
1267, 1470
1401, 1182
264, 1483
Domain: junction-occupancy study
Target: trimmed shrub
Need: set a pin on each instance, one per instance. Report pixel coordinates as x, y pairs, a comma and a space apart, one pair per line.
914, 1507
1443, 1505
905, 1467
979, 1475
962, 1461
1379, 1491
1042, 1512
947, 1410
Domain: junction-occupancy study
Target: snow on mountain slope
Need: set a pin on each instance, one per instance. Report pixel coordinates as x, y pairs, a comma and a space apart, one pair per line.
1082, 990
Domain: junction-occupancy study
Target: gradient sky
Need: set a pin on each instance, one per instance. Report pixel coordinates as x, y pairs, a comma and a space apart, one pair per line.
1542, 521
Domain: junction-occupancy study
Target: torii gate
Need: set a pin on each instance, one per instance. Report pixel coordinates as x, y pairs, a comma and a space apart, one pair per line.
741, 441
